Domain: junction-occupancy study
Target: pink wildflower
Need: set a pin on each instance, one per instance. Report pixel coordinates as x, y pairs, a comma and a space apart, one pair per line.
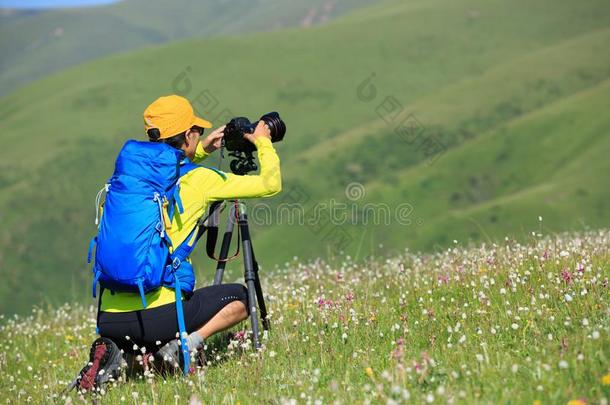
567, 277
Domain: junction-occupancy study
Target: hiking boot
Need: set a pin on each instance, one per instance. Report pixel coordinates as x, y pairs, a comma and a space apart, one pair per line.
104, 366
138, 365
200, 358
169, 357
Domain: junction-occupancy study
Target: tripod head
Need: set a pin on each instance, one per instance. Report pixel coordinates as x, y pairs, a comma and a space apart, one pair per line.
243, 162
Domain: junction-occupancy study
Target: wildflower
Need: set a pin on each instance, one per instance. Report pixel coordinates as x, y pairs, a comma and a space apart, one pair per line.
595, 334
537, 402
606, 379
568, 298
566, 276
577, 402
369, 371
194, 400
563, 364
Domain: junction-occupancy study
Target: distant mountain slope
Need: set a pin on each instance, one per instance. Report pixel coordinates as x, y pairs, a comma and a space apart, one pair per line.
513, 93
37, 43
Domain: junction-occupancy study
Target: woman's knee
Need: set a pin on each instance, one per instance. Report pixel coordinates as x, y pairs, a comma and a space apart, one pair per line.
239, 291
236, 309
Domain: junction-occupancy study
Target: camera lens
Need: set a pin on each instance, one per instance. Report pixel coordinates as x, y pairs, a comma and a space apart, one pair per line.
277, 127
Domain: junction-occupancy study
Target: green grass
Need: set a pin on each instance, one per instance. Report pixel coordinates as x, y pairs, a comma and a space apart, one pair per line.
515, 94
506, 323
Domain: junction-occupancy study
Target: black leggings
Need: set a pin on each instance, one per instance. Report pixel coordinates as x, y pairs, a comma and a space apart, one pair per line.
154, 327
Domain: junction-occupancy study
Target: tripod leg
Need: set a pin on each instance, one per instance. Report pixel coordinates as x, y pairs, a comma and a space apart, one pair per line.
253, 313
259, 292
249, 274
224, 247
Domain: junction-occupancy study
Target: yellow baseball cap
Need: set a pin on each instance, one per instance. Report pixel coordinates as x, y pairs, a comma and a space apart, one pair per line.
172, 115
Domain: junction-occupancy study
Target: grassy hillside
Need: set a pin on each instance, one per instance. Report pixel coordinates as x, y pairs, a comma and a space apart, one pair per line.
34, 44
510, 323
513, 93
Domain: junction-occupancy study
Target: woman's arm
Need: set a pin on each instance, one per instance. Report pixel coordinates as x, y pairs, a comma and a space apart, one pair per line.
209, 145
200, 154
266, 184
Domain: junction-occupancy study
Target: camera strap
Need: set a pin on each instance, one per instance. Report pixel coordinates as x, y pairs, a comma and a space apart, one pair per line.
212, 228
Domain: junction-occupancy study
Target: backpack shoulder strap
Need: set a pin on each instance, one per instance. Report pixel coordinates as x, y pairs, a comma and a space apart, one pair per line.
187, 166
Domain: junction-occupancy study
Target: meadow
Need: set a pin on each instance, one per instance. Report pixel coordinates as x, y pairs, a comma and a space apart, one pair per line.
515, 96
513, 323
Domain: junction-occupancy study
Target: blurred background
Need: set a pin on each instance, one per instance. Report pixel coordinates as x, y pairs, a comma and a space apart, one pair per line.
425, 122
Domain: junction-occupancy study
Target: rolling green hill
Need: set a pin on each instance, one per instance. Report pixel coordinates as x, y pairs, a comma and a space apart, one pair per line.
514, 93
34, 44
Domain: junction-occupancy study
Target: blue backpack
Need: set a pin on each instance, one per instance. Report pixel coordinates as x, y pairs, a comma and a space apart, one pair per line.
132, 250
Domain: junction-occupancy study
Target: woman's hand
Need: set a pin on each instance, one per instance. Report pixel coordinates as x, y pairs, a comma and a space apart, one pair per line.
261, 130
214, 140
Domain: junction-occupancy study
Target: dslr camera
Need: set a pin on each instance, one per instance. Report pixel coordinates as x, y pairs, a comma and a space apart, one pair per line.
242, 149
236, 128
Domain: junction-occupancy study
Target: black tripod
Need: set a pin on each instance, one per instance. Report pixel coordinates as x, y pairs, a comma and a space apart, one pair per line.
237, 212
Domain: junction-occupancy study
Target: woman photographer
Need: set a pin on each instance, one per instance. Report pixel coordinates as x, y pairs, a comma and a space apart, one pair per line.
123, 322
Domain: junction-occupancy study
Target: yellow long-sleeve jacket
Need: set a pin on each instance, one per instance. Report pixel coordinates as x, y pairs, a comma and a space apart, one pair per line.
199, 188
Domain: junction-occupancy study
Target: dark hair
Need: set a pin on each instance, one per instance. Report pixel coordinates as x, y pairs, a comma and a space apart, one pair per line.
176, 141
